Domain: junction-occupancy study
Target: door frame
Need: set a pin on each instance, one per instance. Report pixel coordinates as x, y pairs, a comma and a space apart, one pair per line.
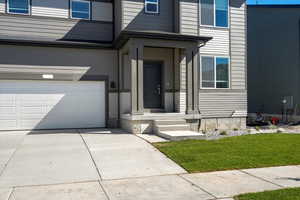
162, 67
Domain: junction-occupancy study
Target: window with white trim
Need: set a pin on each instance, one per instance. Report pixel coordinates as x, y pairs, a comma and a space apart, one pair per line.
152, 6
214, 72
214, 12
18, 6
80, 9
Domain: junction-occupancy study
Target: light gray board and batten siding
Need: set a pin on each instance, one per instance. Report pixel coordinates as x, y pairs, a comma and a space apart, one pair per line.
134, 17
49, 20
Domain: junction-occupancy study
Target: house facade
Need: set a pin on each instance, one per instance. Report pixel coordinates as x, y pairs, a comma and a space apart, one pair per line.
125, 63
273, 60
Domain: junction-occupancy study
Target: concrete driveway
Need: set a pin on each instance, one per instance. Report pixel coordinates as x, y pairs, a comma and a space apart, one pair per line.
84, 157
113, 165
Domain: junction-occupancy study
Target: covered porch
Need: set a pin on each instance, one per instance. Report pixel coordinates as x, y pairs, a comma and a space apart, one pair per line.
158, 78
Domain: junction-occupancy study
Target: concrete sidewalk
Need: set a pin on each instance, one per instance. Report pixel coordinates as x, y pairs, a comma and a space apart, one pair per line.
113, 165
202, 186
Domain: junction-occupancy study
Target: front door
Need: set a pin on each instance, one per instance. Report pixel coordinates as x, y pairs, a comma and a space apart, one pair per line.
152, 84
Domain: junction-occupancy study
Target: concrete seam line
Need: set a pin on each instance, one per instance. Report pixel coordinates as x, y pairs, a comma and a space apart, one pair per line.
53, 184
103, 189
215, 197
262, 179
11, 194
155, 149
12, 155
139, 177
90, 153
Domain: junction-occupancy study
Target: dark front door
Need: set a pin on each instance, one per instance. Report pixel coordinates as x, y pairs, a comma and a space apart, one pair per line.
152, 85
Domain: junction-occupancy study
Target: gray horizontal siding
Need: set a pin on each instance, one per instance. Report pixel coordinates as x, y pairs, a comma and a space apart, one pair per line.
238, 44
135, 18
54, 29
99, 62
101, 11
222, 104
189, 17
220, 42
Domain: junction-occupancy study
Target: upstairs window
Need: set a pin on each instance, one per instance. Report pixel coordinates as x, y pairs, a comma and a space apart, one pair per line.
152, 6
214, 12
215, 72
80, 9
18, 6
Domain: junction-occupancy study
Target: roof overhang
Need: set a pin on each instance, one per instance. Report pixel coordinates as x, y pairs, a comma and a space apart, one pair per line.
127, 34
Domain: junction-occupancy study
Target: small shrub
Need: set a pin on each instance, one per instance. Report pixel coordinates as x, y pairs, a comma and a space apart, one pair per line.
273, 126
235, 129
223, 133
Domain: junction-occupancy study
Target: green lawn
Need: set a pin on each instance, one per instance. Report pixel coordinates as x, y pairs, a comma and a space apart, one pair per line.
285, 194
241, 152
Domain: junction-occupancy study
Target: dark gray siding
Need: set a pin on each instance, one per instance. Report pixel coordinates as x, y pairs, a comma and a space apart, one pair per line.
54, 29
118, 17
99, 62
135, 18
273, 57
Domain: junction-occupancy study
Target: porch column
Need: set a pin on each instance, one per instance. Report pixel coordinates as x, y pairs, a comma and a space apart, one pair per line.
136, 66
192, 80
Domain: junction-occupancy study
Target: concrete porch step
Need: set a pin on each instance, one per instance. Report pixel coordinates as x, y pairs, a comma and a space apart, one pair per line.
180, 135
170, 122
173, 127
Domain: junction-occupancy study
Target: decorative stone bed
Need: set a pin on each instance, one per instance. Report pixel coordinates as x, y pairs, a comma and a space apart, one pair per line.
217, 134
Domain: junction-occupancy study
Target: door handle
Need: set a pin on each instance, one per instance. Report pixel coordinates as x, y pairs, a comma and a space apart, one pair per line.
158, 89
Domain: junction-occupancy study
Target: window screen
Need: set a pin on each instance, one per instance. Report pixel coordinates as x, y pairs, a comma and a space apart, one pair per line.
207, 12
208, 72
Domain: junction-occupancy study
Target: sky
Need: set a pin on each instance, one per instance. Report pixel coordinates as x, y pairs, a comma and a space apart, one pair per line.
272, 2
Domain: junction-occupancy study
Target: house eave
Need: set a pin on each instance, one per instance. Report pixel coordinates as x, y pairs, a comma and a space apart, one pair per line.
127, 34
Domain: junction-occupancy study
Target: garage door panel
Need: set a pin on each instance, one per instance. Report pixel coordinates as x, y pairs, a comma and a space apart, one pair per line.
8, 124
50, 104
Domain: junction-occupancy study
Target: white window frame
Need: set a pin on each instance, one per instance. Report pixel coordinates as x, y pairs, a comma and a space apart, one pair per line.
71, 10
151, 12
214, 26
7, 9
215, 72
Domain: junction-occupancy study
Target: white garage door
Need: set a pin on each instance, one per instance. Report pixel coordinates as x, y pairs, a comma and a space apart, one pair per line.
51, 104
